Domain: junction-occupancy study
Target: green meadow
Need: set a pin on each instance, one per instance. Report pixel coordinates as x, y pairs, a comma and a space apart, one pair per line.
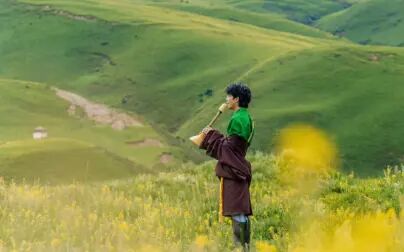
369, 22
77, 148
141, 63
92, 185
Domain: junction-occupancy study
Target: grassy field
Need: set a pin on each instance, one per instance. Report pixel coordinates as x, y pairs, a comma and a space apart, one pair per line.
139, 57
297, 10
369, 22
305, 11
377, 22
346, 98
75, 144
89, 187
273, 21
301, 11
177, 211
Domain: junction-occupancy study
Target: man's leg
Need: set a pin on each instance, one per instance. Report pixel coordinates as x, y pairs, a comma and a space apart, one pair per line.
241, 231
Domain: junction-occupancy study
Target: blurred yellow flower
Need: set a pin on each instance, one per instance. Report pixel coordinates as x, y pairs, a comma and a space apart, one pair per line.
55, 242
263, 246
308, 148
123, 226
202, 241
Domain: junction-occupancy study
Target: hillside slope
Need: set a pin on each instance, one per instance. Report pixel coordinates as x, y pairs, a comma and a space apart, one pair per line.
77, 148
171, 67
370, 22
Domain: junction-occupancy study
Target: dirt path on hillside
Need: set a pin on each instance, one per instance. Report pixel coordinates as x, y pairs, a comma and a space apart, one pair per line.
97, 112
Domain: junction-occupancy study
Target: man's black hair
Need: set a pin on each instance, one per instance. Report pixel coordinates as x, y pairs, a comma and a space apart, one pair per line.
241, 91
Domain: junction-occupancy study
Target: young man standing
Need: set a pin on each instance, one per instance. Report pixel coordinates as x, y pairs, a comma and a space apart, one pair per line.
233, 170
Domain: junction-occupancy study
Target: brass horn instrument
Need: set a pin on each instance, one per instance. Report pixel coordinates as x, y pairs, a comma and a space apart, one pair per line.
198, 139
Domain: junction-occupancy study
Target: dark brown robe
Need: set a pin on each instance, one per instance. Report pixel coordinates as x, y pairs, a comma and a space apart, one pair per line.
235, 170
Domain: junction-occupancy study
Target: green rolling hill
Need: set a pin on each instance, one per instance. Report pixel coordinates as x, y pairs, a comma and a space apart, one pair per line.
369, 22
377, 22
170, 63
120, 85
297, 10
269, 20
77, 148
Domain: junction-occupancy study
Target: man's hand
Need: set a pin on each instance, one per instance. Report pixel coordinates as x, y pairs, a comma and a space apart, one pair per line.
206, 130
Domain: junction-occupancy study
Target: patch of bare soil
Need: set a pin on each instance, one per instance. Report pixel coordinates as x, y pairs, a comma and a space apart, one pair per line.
148, 142
68, 14
166, 158
99, 113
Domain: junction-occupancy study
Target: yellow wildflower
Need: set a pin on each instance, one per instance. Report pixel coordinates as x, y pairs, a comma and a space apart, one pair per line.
263, 246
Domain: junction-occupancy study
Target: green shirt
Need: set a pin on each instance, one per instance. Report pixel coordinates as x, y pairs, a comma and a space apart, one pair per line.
241, 124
